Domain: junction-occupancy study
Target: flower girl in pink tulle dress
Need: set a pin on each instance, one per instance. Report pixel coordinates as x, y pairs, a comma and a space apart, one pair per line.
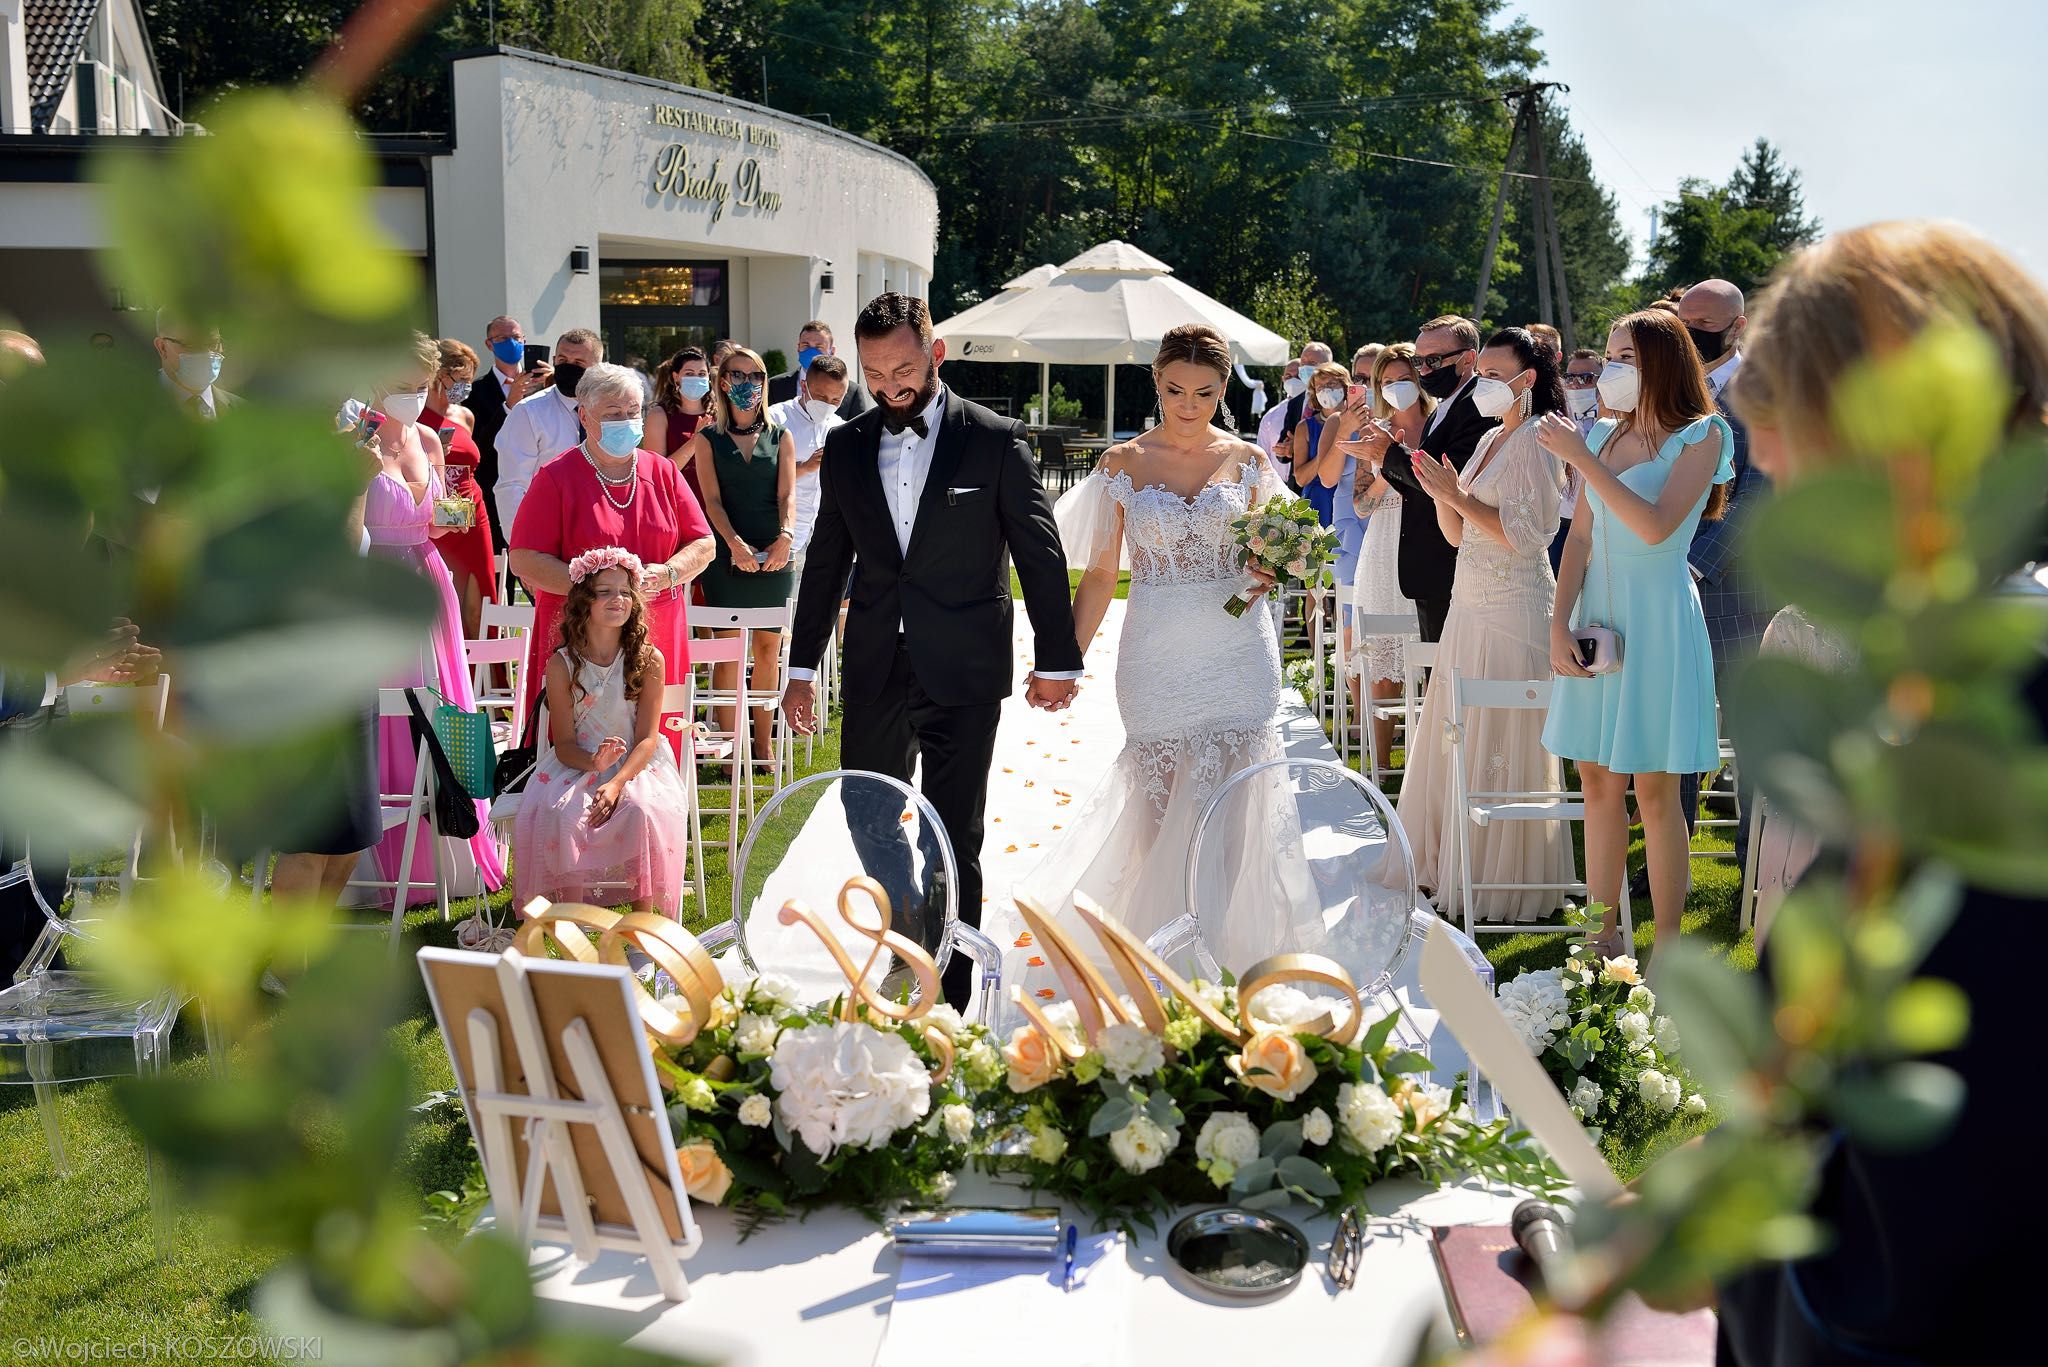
606, 814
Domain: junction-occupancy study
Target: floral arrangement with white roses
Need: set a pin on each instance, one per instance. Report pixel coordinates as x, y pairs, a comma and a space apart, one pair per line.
1594, 1026
1145, 1122
776, 1105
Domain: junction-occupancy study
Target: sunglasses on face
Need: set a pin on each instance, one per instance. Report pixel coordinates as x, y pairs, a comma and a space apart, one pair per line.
1361, 379
1429, 364
744, 376
1576, 381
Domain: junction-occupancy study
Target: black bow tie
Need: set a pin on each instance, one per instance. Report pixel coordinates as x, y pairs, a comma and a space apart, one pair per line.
915, 424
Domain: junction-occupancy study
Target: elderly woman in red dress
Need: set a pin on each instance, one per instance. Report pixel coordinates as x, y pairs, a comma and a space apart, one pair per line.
607, 491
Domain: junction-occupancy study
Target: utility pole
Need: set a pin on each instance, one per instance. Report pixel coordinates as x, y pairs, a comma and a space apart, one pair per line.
1546, 201
1528, 125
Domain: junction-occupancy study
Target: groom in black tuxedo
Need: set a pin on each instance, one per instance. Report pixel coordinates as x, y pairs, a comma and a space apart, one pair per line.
928, 499
1446, 358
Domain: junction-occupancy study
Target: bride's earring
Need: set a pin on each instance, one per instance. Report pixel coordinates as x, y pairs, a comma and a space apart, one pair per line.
1523, 404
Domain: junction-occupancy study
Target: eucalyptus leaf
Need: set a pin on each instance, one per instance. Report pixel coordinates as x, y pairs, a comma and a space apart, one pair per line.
1407, 1061
1377, 1034
1282, 1138
1901, 1108
1827, 543
1275, 1199
1254, 1176
1722, 1015
1310, 1176
1110, 1117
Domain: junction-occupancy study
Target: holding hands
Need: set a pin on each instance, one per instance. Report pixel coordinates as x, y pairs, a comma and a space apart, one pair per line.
1050, 695
1559, 435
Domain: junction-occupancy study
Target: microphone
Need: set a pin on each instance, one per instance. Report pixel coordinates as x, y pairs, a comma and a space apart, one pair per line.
1543, 1236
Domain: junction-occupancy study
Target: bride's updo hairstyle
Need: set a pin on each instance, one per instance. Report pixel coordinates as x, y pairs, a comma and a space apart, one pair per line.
1197, 343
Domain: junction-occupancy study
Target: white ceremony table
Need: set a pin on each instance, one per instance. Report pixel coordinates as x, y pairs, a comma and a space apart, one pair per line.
808, 1293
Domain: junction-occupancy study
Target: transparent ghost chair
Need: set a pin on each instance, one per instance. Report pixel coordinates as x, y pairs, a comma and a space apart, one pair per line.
807, 842
60, 1025
1297, 856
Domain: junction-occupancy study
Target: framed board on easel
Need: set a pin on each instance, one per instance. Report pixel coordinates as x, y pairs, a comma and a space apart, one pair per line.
556, 1078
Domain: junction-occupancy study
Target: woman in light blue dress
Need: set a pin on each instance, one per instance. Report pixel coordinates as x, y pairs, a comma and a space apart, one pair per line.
1647, 478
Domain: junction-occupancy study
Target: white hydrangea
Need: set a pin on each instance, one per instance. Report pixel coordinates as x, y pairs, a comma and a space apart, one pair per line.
844, 1083
959, 1122
1316, 1127
1667, 1034
1371, 1119
1141, 1145
1585, 1098
1695, 1104
772, 987
755, 1034
1214, 995
1659, 1092
758, 1111
1230, 1136
1635, 1030
946, 1018
1537, 1007
1130, 1051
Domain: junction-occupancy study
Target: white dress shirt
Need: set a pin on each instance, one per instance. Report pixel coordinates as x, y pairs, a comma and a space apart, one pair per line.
809, 438
542, 427
1720, 375
904, 460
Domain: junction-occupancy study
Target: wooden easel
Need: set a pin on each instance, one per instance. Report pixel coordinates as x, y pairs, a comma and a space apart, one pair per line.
558, 1048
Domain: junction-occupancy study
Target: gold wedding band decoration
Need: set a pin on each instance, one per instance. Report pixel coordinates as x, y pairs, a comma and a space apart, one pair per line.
675, 951
1097, 1007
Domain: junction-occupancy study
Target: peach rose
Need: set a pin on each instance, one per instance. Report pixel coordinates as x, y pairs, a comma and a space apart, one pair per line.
1034, 1060
705, 1175
1273, 1061
1622, 970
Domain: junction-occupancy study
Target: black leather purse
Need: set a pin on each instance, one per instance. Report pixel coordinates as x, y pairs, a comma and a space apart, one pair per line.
517, 763
454, 808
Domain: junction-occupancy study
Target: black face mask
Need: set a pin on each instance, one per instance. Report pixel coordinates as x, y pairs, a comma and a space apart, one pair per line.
1442, 382
1712, 345
567, 375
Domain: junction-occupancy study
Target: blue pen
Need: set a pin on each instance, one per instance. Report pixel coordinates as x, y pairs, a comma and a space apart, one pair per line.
1073, 1238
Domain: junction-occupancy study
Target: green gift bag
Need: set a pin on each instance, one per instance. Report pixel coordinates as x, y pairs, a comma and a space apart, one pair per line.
466, 738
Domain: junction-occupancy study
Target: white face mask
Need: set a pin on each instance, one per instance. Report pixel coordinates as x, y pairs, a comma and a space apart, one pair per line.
1493, 397
1582, 402
1293, 384
817, 410
1619, 382
1400, 394
1329, 398
405, 408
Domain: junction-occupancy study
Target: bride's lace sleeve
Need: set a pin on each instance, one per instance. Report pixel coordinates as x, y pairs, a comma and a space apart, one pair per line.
1091, 524
1530, 487
1270, 485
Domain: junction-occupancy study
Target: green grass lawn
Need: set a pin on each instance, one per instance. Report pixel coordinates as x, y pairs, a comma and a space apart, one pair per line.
75, 1253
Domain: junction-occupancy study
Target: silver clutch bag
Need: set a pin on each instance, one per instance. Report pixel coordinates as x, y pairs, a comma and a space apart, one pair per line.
981, 1231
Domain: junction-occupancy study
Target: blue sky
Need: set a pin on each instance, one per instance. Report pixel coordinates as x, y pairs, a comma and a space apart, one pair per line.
1888, 108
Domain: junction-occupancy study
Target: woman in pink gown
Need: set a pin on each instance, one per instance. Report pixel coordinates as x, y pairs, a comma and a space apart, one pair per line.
398, 515
586, 498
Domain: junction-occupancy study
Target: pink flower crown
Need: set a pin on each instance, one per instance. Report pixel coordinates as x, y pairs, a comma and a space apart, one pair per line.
605, 558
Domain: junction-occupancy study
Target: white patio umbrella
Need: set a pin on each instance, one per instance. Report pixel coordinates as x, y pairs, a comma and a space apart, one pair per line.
1108, 306
1031, 279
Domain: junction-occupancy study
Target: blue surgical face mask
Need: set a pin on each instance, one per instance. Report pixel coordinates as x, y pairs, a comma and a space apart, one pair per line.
619, 436
509, 350
806, 356
694, 387
744, 395
197, 370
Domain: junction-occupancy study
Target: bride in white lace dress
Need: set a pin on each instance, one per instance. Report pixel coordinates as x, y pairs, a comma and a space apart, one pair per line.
1198, 690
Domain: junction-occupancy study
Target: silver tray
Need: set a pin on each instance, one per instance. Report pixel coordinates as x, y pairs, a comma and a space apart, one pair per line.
1243, 1254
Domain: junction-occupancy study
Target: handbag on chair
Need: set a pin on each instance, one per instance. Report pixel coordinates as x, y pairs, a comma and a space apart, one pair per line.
454, 808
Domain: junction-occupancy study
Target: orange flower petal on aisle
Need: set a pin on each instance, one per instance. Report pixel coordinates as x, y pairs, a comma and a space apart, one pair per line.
1046, 993
1025, 940
1034, 962
1009, 849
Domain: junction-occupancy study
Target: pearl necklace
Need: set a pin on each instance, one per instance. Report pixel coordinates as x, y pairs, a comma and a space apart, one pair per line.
605, 483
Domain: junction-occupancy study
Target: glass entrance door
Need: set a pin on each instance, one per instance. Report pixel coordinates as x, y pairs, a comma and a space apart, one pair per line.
650, 309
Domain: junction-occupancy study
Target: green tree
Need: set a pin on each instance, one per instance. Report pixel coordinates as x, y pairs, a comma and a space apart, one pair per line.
1738, 231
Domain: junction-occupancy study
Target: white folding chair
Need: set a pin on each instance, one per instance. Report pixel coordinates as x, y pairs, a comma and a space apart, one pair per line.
1380, 768
151, 701
720, 747
1483, 808
415, 812
509, 652
1724, 785
749, 695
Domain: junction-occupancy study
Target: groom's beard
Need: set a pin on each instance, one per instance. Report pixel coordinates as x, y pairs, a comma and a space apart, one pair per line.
895, 418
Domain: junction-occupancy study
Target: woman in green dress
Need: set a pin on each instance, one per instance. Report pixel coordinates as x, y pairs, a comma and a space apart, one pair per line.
746, 467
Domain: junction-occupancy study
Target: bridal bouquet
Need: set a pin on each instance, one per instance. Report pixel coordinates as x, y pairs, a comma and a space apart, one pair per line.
1283, 535
1145, 1122
1594, 1026
777, 1105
